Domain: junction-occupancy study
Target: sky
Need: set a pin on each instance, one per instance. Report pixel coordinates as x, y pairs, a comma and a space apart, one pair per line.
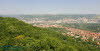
49, 7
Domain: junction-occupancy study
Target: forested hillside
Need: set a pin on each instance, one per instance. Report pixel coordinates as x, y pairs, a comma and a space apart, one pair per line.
15, 35
95, 27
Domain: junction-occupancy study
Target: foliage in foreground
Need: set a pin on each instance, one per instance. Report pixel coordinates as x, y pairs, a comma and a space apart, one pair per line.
16, 35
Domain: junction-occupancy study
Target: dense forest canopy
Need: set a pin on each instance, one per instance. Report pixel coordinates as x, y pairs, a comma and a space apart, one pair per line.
15, 35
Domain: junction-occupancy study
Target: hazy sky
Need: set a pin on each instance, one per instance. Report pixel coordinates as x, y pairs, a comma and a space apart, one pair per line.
49, 6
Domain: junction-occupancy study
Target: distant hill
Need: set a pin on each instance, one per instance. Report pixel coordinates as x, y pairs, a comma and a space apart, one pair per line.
19, 36
94, 27
61, 16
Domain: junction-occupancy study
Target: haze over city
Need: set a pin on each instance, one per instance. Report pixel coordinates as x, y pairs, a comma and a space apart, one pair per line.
49, 7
